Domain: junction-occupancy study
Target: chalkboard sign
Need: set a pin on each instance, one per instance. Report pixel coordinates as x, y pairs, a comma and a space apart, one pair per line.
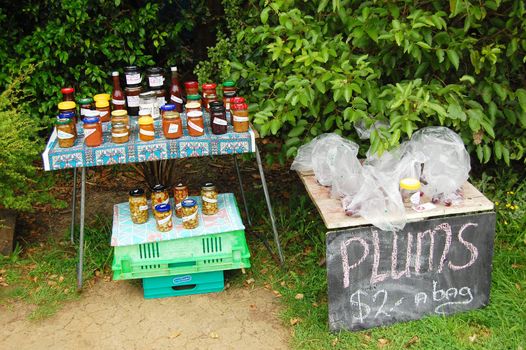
432, 267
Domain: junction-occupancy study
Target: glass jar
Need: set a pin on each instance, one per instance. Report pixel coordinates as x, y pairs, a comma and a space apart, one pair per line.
209, 94
192, 106
120, 116
410, 191
190, 215
191, 87
160, 97
233, 101
92, 131
154, 77
196, 125
67, 94
68, 106
209, 198
240, 117
218, 120
194, 98
65, 133
103, 107
148, 101
71, 117
172, 124
229, 91
138, 206
146, 128
119, 133
160, 195
180, 194
85, 104
163, 217
132, 76
132, 100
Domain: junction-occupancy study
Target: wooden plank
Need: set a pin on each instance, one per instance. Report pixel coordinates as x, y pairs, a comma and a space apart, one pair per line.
334, 216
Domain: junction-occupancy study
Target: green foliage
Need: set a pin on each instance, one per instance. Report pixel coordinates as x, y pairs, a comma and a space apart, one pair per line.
314, 67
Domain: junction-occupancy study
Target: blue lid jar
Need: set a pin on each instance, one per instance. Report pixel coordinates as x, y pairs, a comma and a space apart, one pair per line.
91, 120
188, 203
162, 208
168, 107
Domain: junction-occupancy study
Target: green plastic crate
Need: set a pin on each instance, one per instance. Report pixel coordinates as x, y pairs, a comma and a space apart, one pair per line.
189, 284
221, 251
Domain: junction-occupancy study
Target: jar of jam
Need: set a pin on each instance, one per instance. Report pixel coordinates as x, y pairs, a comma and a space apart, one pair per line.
240, 117
209, 94
148, 101
209, 198
146, 128
103, 106
92, 131
68, 106
159, 195
163, 217
138, 206
67, 94
119, 133
85, 104
191, 87
132, 100
196, 125
218, 120
190, 217
229, 91
120, 116
65, 132
233, 101
154, 77
192, 106
132, 76
180, 194
172, 124
161, 97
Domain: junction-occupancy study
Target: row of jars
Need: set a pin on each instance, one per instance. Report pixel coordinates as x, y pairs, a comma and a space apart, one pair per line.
185, 208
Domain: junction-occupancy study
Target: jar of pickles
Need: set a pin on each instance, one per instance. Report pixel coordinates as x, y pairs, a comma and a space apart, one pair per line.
209, 94
209, 198
172, 124
138, 206
229, 91
180, 194
163, 217
190, 216
85, 104
160, 195
146, 128
120, 116
65, 132
119, 133
103, 106
196, 125
240, 117
92, 131
191, 87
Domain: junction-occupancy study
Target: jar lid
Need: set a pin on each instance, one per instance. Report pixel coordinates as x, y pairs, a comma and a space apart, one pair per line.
91, 113
188, 203
101, 97
84, 100
67, 105
147, 94
229, 83
409, 183
195, 97
194, 114
119, 113
66, 115
209, 86
136, 192
67, 90
119, 125
91, 120
162, 208
145, 112
216, 104
159, 188
131, 69
154, 70
62, 121
191, 84
180, 187
237, 100
101, 103
239, 106
209, 186
168, 107
193, 105
145, 120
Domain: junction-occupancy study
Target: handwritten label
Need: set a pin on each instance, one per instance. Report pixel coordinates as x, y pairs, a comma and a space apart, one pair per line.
209, 200
156, 81
194, 126
173, 128
88, 132
147, 132
161, 101
164, 220
133, 101
119, 134
133, 79
143, 208
220, 121
118, 102
240, 119
64, 135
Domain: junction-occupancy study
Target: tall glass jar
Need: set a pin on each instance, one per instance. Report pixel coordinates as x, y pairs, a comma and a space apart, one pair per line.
209, 94
138, 206
163, 217
119, 133
160, 195
196, 125
190, 213
148, 101
133, 100
240, 117
65, 133
92, 131
229, 91
180, 194
172, 124
218, 120
209, 198
146, 128
103, 107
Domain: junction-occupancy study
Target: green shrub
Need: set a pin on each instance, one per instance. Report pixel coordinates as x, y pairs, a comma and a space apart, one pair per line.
393, 66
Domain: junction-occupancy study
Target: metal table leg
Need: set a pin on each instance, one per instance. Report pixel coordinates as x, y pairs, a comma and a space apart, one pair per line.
73, 206
269, 206
81, 236
242, 190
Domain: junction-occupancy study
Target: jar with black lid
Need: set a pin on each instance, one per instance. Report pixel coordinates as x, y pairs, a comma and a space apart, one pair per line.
132, 100
218, 119
155, 77
132, 76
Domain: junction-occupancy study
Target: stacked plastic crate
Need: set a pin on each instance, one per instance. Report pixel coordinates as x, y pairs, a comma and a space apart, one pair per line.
181, 261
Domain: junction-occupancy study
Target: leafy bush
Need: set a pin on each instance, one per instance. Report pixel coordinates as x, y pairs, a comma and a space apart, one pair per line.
389, 66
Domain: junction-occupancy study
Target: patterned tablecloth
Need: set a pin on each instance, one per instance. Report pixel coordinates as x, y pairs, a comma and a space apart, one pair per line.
135, 150
125, 232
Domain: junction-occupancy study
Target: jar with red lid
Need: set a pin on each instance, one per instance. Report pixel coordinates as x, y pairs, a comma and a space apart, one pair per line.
240, 117
196, 124
172, 124
92, 131
209, 94
67, 94
191, 87
229, 91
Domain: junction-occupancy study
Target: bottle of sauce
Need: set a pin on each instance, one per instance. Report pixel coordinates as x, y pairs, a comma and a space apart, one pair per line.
118, 100
176, 96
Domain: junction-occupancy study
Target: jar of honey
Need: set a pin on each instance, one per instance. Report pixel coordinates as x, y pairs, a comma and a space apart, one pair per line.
92, 131
146, 128
119, 133
196, 125
172, 124
120, 116
103, 106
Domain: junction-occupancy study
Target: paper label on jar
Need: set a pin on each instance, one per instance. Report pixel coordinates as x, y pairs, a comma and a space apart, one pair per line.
147, 132
227, 106
165, 220
161, 101
103, 114
166, 201
143, 208
178, 206
133, 101
190, 217
84, 111
176, 99
119, 134
173, 128
156, 81
64, 135
195, 127
209, 200
88, 132
220, 121
415, 198
118, 102
240, 119
132, 79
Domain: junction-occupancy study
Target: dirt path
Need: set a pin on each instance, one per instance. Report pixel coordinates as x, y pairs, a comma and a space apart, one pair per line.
114, 315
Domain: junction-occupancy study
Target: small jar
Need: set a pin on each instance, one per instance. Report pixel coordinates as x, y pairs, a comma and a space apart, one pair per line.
65, 133
68, 106
163, 217
192, 106
85, 104
120, 116
154, 77
229, 91
240, 117
67, 94
161, 97
103, 107
209, 198
160, 195
218, 119
190, 215
148, 101
146, 128
132, 76
180, 194
92, 131
191, 87
119, 133
410, 191
71, 117
172, 124
209, 94
196, 125
138, 206
132, 100
102, 97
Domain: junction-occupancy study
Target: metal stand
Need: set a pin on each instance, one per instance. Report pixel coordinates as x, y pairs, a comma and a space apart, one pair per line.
80, 266
73, 206
242, 190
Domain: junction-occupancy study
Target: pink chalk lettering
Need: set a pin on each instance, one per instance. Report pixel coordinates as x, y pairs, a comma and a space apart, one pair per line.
447, 229
375, 277
394, 257
472, 249
420, 236
345, 257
